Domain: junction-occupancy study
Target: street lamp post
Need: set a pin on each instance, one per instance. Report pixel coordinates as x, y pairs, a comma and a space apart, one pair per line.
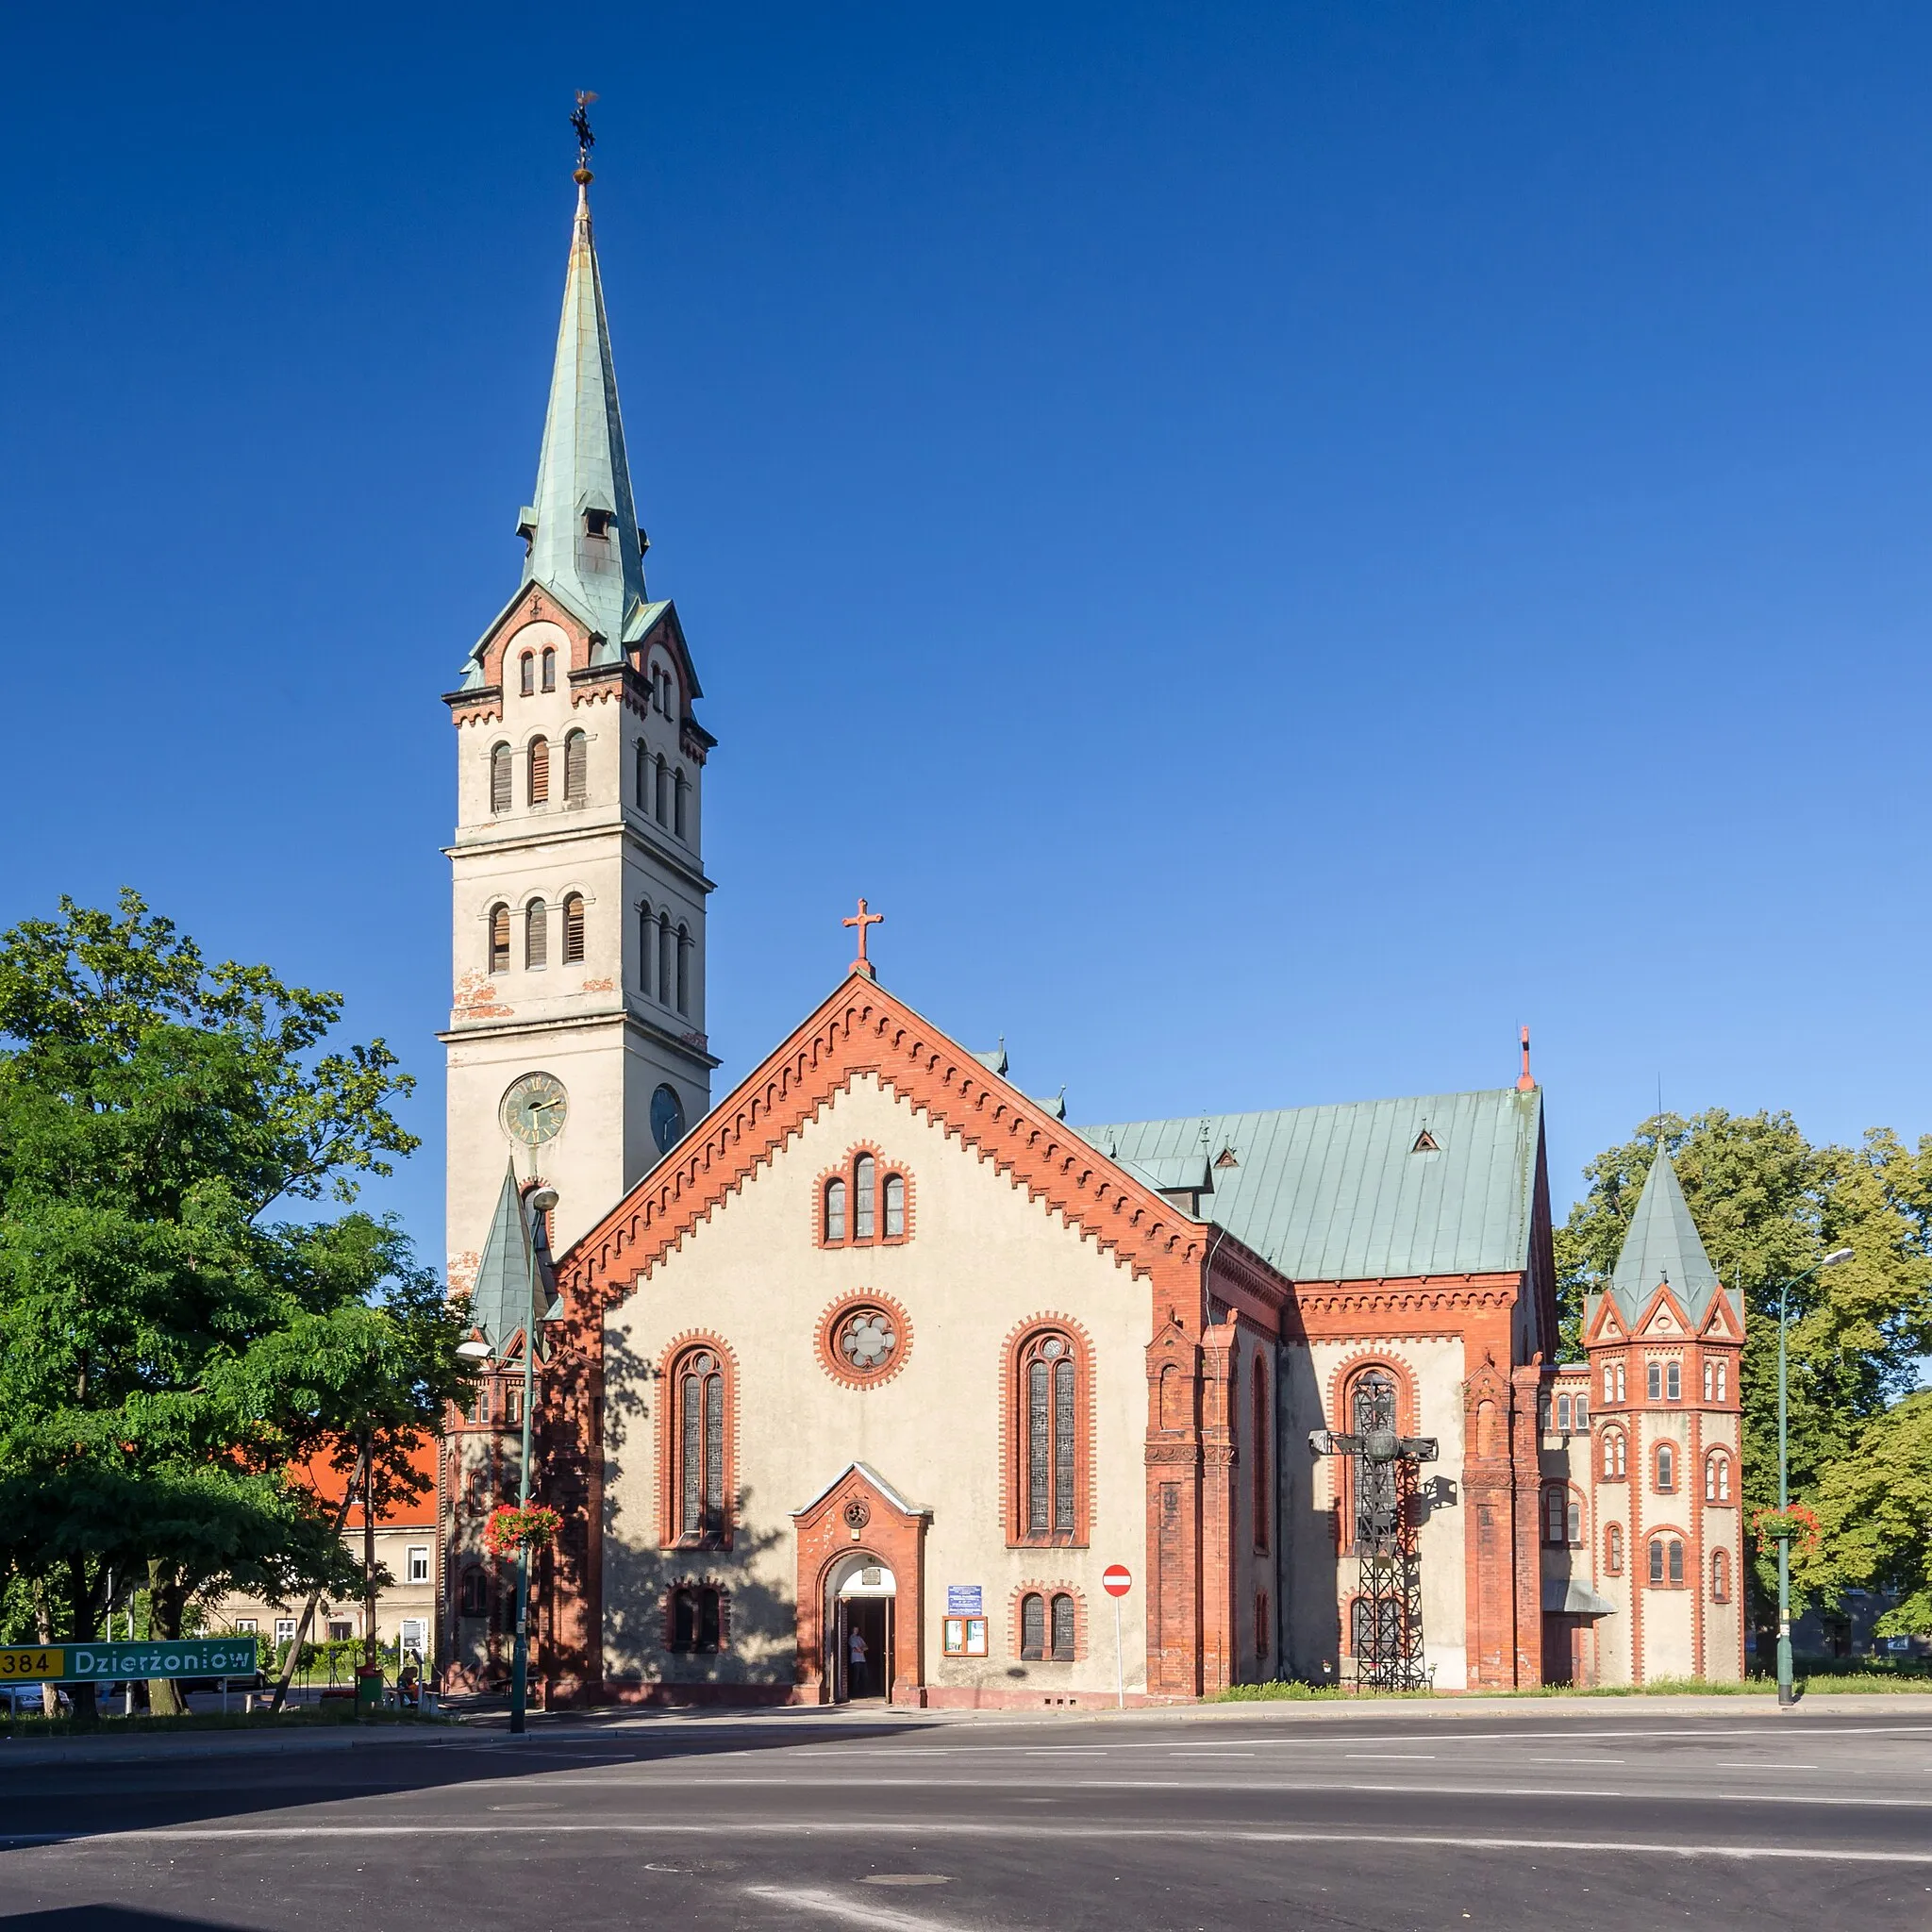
1787, 1694
539, 1202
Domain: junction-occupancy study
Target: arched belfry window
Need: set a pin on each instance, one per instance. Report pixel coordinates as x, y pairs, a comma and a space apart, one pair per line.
549, 669
540, 771
677, 796
697, 1442
647, 948
641, 783
573, 930
526, 675
536, 935
683, 970
499, 938
577, 764
667, 959
499, 777
662, 802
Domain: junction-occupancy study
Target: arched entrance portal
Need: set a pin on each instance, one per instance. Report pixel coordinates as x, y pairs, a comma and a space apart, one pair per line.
862, 1597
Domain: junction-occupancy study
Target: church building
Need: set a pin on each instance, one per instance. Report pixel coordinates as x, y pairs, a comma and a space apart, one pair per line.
877, 1378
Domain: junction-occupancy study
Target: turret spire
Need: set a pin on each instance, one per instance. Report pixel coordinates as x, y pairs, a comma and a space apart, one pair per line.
1663, 1245
584, 547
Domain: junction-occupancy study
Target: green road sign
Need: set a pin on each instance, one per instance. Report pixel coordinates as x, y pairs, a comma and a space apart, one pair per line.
87, 1663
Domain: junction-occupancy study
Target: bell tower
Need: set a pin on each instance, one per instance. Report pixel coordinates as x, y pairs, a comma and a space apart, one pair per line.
577, 1030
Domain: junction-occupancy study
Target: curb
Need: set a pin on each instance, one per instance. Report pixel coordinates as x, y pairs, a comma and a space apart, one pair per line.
240, 1744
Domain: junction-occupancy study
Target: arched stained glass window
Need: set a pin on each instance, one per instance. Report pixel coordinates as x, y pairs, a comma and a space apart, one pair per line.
1033, 1627
699, 1383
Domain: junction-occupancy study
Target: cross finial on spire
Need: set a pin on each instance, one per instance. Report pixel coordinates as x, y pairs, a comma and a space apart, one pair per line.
580, 124
1525, 1081
861, 921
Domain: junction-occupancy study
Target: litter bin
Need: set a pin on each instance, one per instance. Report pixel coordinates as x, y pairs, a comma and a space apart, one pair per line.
368, 1687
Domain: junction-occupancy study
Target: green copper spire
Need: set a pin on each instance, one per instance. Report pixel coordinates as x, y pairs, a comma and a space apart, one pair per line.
586, 548
500, 1302
1663, 1245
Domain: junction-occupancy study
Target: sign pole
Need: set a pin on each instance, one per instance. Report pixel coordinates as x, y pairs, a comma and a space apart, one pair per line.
1119, 1661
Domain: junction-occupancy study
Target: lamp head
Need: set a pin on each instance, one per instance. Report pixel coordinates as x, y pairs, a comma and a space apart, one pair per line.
1836, 1258
473, 1350
543, 1200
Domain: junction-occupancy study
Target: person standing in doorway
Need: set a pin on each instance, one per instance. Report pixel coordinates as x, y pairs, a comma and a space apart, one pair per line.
856, 1657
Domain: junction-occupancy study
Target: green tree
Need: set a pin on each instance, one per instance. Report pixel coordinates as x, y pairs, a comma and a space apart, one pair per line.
1769, 1205
154, 1109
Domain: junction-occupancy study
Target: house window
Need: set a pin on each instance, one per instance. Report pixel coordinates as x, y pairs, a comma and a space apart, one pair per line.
573, 930
341, 1630
1720, 1576
577, 768
1257, 1451
1553, 1515
835, 1211
697, 1617
419, 1563
1048, 1402
1047, 1628
1654, 1386
526, 675
536, 936
1717, 1479
1613, 1549
499, 777
472, 1593
698, 1438
540, 771
549, 669
246, 1626
1666, 1469
1580, 1411
1563, 1414
1666, 1562
1613, 1452
499, 938
1033, 1627
285, 1630
895, 1206
1674, 1381
863, 1171
642, 777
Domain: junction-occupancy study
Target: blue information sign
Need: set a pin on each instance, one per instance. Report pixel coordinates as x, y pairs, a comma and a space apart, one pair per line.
964, 1600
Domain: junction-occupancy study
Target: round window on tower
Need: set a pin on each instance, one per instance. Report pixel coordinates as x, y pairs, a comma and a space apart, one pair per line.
667, 1118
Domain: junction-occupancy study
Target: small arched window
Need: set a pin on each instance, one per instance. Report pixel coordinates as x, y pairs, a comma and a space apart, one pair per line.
1579, 1413
540, 771
683, 970
1666, 1468
647, 947
1614, 1382
895, 1206
1717, 1479
577, 768
1613, 1549
677, 792
1064, 1627
640, 778
1666, 1562
536, 936
1563, 1414
863, 1197
499, 938
526, 675
1258, 1451
549, 669
1720, 1576
1714, 1379
698, 1445
1033, 1627
499, 777
472, 1593
1613, 1452
835, 1211
698, 1619
573, 930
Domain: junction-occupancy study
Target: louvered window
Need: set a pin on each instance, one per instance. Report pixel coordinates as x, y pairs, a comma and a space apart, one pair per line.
667, 959
1063, 1628
573, 930
549, 669
536, 935
526, 671
499, 938
661, 805
576, 758
499, 777
647, 948
864, 1169
540, 771
895, 1206
1033, 1627
701, 1446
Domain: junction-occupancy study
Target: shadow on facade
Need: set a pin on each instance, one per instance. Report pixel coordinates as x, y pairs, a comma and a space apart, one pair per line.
1308, 1569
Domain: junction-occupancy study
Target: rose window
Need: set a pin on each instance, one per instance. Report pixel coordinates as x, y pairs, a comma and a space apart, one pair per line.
867, 1338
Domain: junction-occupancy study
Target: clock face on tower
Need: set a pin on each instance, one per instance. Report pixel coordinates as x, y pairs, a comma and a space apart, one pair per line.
667, 1119
534, 1109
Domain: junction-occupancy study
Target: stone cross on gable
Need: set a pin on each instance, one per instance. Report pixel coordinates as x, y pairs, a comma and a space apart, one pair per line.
861, 921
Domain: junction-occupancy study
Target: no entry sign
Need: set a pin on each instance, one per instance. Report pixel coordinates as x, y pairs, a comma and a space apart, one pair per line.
1117, 1580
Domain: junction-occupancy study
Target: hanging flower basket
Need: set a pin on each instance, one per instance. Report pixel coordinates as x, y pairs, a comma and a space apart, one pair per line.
1794, 1524
510, 1529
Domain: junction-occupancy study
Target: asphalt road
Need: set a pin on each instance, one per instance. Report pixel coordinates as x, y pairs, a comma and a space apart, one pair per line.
1539, 1818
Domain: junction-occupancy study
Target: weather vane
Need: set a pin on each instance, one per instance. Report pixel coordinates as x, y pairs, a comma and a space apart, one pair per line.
580, 123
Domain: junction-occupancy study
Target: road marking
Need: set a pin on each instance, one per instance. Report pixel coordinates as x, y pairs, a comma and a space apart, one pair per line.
1413, 1756
1002, 1829
803, 1899
1763, 1764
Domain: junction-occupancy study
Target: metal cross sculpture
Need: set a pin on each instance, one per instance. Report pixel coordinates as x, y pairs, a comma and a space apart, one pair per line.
580, 123
1387, 1633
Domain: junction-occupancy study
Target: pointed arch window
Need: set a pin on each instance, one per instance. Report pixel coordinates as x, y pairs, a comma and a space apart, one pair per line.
549, 669
536, 936
700, 1417
499, 777
499, 938
574, 929
526, 675
540, 771
577, 768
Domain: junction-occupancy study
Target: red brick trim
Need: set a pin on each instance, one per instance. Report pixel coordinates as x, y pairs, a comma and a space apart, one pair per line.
835, 1365
1047, 1592
846, 1170
890, 1536
665, 1374
1012, 1432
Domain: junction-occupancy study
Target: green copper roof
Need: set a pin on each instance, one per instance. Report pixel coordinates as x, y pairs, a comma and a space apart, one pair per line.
583, 474
500, 1302
1662, 1246
1330, 1193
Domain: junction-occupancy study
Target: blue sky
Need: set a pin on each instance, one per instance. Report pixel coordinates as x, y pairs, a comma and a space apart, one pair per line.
1275, 543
